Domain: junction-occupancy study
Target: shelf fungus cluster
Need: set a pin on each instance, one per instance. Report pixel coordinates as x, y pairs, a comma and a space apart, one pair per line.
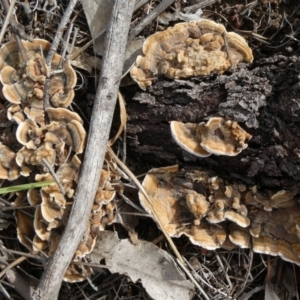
217, 137
189, 49
52, 137
215, 214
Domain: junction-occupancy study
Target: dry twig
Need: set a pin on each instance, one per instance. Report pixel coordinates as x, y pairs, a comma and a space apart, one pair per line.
104, 106
63, 23
149, 18
202, 4
7, 18
16, 27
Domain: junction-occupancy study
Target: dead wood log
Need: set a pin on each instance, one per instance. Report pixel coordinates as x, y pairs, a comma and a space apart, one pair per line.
263, 98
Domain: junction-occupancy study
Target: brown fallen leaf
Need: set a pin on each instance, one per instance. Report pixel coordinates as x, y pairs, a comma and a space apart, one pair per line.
153, 266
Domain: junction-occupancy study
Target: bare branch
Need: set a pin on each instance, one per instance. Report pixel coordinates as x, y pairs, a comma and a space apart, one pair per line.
104, 106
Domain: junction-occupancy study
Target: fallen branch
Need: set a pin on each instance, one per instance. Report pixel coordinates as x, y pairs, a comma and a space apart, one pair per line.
104, 106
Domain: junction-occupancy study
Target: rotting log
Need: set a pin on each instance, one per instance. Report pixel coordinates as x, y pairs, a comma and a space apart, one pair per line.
101, 119
263, 98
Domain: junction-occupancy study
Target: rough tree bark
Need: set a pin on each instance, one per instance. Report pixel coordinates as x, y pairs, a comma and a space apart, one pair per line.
263, 98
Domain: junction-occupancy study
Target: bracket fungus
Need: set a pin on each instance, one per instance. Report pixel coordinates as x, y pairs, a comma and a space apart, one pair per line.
24, 82
8, 166
50, 138
217, 137
189, 49
219, 215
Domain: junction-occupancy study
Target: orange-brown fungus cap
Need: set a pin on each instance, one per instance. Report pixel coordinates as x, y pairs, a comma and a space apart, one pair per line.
189, 49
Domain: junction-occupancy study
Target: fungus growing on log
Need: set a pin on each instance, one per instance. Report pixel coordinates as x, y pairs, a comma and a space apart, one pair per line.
189, 49
214, 137
220, 217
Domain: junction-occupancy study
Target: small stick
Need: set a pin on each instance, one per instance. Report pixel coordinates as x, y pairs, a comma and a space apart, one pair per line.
14, 263
149, 18
104, 106
63, 23
9, 8
7, 18
202, 4
188, 273
16, 27
140, 3
60, 186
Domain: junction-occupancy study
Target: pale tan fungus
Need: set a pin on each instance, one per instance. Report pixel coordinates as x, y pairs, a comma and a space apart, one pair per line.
45, 177
274, 232
36, 70
208, 236
215, 216
185, 136
36, 115
29, 134
15, 113
267, 245
77, 273
34, 197
104, 196
78, 135
38, 244
240, 237
242, 210
28, 87
67, 173
44, 151
255, 229
40, 225
62, 86
189, 49
62, 115
105, 178
222, 138
249, 198
237, 218
86, 245
50, 210
283, 199
215, 183
54, 224
8, 166
73, 134
214, 137
164, 199
13, 89
197, 204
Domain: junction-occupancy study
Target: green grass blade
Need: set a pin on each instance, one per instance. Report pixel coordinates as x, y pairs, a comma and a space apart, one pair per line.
22, 187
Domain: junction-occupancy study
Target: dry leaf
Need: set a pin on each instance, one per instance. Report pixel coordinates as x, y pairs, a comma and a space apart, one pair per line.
153, 266
85, 61
97, 13
269, 292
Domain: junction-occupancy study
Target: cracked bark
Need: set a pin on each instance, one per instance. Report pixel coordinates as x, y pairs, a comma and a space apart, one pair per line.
264, 99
